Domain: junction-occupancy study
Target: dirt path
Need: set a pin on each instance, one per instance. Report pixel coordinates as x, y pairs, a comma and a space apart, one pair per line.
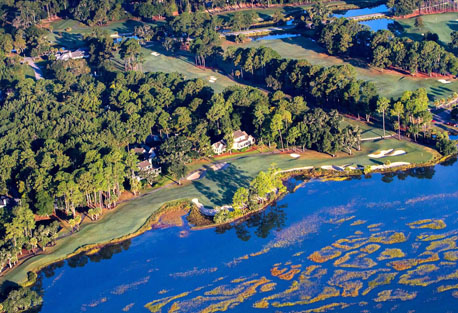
35, 67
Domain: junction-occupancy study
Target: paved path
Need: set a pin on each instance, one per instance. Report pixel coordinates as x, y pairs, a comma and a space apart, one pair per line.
35, 67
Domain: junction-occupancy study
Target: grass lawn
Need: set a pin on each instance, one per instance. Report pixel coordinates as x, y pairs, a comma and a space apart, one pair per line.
388, 83
367, 130
72, 38
182, 63
216, 188
440, 24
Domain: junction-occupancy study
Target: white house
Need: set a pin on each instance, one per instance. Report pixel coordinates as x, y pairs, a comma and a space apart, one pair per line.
242, 140
4, 200
219, 147
147, 166
74, 55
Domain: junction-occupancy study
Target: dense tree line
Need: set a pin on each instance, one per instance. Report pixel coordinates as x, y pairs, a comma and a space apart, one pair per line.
334, 87
406, 7
384, 49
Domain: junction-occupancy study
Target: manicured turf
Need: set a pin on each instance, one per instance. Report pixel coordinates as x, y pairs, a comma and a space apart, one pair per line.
69, 33
440, 24
182, 63
388, 83
216, 188
367, 130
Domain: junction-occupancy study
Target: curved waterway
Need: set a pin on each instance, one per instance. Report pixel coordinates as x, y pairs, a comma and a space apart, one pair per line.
380, 243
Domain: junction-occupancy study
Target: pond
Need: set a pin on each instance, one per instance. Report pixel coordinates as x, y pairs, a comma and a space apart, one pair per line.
379, 24
378, 243
273, 37
357, 12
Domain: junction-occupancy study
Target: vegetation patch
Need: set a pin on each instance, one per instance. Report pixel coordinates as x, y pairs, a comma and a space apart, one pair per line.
380, 280
370, 248
325, 254
388, 237
388, 254
350, 244
357, 222
428, 223
442, 245
398, 294
451, 255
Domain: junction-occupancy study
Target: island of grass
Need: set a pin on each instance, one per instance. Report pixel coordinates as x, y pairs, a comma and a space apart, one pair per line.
216, 188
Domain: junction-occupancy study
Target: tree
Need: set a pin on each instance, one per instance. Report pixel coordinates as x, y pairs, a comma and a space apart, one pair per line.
398, 110
44, 204
240, 198
382, 105
276, 125
418, 22
454, 39
21, 300
130, 52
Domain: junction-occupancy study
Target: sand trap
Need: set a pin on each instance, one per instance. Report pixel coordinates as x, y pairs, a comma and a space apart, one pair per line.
443, 81
196, 175
294, 155
333, 168
386, 153
155, 54
394, 164
219, 166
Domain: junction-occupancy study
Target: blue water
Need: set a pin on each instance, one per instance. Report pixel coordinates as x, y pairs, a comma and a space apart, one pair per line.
211, 265
378, 9
273, 37
380, 24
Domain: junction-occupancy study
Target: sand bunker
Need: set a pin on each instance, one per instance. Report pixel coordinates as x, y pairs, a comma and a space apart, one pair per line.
386, 153
394, 164
443, 81
154, 53
212, 79
294, 155
219, 166
196, 175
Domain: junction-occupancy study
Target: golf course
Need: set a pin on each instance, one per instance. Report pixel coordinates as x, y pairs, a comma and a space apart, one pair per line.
216, 188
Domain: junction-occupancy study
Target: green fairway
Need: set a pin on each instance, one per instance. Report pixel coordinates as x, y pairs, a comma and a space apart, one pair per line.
216, 188
69, 33
388, 83
367, 131
182, 63
440, 24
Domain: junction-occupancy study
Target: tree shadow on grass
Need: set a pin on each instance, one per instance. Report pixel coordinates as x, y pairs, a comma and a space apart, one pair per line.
69, 41
227, 181
127, 27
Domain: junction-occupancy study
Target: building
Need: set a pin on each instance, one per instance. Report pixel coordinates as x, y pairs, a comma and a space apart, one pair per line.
148, 167
219, 147
241, 140
73, 55
4, 201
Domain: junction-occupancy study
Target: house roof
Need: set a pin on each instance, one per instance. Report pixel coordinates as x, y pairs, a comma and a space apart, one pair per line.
239, 134
139, 150
219, 144
144, 164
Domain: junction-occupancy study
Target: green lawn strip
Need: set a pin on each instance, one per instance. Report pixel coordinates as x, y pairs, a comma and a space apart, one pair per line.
440, 24
183, 64
388, 84
216, 188
367, 130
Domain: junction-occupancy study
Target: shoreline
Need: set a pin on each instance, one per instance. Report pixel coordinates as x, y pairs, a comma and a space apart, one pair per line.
154, 217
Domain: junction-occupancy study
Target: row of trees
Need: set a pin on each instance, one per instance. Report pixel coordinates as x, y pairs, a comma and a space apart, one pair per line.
383, 49
406, 7
334, 87
264, 188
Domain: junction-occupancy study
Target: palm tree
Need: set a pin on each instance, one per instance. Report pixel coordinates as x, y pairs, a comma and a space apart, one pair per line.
397, 110
382, 105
